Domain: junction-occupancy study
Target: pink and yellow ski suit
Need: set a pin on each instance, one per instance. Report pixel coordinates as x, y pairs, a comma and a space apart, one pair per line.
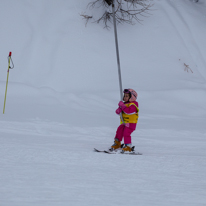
130, 118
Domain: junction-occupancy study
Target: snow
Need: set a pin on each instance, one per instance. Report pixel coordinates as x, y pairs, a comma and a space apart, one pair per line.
64, 90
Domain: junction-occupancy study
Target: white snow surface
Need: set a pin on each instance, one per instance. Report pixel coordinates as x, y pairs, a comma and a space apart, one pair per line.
63, 92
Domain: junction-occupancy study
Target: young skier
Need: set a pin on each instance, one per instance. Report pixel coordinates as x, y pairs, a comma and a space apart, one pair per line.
129, 109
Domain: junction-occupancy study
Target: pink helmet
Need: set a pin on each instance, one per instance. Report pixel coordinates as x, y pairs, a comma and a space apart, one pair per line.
133, 94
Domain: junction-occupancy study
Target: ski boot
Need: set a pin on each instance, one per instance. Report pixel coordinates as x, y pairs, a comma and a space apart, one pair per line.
116, 145
128, 149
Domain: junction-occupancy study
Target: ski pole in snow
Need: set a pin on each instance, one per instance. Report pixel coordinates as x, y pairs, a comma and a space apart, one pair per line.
117, 52
9, 61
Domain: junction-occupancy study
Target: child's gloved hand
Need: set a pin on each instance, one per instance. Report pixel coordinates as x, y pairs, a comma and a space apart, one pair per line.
118, 111
122, 105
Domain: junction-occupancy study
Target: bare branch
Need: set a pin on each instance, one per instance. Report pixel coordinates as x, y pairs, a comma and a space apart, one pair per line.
126, 11
187, 68
86, 17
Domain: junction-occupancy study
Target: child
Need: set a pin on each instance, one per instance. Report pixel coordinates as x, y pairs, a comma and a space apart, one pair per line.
129, 109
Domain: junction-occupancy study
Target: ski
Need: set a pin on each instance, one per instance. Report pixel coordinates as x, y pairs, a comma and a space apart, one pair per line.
115, 152
133, 153
96, 150
104, 151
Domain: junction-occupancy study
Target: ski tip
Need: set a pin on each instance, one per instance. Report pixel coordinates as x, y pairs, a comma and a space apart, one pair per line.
96, 150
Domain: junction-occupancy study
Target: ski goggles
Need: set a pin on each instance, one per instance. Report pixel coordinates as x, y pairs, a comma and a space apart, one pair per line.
126, 91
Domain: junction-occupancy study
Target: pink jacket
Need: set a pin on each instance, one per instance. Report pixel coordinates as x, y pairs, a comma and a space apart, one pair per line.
129, 110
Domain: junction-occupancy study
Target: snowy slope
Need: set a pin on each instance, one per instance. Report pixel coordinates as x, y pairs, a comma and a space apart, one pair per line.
62, 95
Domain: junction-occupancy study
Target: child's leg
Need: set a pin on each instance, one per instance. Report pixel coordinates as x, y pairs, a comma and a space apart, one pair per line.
120, 132
127, 135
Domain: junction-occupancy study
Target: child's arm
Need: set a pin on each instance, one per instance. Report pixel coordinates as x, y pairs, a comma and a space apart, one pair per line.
118, 111
128, 110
